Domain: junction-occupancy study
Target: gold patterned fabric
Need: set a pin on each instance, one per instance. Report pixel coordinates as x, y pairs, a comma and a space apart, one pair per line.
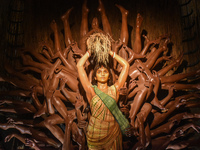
103, 130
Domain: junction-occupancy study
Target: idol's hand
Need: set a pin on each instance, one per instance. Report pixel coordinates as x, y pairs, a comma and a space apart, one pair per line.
9, 137
75, 49
131, 131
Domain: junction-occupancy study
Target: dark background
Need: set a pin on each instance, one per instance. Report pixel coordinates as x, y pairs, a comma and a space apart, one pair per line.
25, 23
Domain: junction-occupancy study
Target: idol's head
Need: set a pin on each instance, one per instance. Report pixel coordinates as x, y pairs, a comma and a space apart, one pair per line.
102, 74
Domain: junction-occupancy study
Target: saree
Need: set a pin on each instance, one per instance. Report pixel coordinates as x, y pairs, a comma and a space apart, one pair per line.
103, 131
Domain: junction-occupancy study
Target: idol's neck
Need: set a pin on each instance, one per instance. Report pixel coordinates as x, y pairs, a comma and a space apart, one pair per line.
102, 86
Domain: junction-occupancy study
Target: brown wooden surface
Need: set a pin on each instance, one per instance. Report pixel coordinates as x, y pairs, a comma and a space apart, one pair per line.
160, 17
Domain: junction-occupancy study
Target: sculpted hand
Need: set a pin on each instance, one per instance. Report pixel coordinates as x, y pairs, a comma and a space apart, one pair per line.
123, 90
132, 84
9, 137
70, 119
31, 144
79, 104
2, 102
10, 120
5, 102
82, 124
131, 131
125, 110
116, 45
76, 50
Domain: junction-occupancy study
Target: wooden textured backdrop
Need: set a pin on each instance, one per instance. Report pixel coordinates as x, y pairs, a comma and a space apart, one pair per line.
160, 17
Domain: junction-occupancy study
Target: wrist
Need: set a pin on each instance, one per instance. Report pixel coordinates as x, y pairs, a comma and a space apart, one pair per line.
112, 54
88, 53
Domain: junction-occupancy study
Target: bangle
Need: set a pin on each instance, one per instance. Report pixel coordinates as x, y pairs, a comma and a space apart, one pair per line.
113, 56
88, 53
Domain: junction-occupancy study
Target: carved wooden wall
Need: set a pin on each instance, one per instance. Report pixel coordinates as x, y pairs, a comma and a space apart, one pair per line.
160, 17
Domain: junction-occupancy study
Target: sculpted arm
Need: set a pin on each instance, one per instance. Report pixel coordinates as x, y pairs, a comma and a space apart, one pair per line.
83, 76
125, 69
24, 140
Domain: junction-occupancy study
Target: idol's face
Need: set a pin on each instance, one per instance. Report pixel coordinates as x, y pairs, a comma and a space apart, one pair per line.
102, 75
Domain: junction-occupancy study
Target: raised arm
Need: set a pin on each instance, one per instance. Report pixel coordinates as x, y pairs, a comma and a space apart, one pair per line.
125, 69
83, 76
